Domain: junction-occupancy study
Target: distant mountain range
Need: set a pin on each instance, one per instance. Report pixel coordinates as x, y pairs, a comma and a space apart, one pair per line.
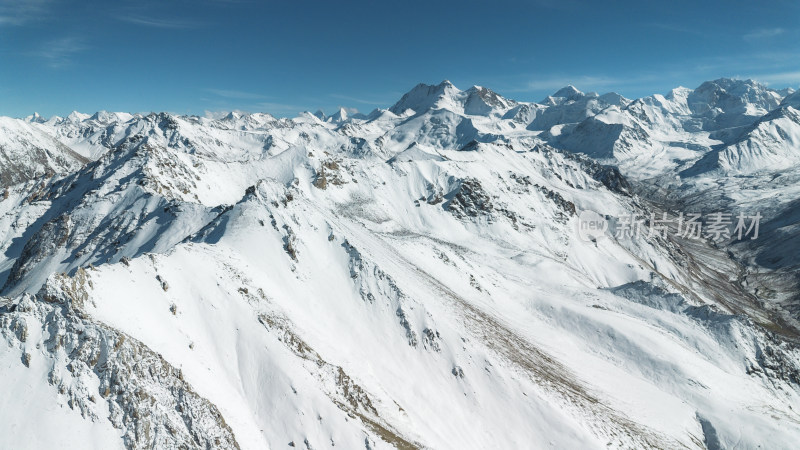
410, 278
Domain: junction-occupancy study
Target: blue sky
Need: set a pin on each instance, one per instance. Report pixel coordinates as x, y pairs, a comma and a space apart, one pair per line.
283, 57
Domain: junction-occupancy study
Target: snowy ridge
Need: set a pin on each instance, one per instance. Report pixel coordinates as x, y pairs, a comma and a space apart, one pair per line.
770, 144
412, 278
27, 153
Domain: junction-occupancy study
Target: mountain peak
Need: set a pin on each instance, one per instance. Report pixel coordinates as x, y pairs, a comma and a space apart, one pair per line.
424, 96
409, 242
568, 91
446, 83
76, 116
564, 94
339, 116
101, 115
677, 93
733, 95
35, 118
736, 87
481, 101
792, 100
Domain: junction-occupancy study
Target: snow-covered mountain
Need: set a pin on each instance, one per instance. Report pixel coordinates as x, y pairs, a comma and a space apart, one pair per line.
410, 278
27, 153
771, 143
678, 129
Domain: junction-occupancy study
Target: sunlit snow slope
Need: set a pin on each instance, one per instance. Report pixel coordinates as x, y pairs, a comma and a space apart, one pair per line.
412, 278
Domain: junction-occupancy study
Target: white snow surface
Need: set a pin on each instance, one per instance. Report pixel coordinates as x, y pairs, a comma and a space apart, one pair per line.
412, 278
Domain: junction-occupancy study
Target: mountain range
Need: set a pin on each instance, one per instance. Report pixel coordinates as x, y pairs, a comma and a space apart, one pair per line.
409, 278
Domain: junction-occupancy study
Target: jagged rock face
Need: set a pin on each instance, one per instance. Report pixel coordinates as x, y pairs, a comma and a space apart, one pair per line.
482, 101
91, 364
570, 105
470, 200
770, 144
27, 153
658, 135
413, 278
724, 98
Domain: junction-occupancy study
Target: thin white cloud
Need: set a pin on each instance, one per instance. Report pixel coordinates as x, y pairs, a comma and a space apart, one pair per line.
234, 94
236, 100
60, 52
363, 101
21, 12
583, 82
779, 79
158, 22
279, 109
215, 107
763, 33
775, 68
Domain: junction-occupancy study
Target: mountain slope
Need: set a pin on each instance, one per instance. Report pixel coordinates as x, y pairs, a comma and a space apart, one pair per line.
414, 278
27, 153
